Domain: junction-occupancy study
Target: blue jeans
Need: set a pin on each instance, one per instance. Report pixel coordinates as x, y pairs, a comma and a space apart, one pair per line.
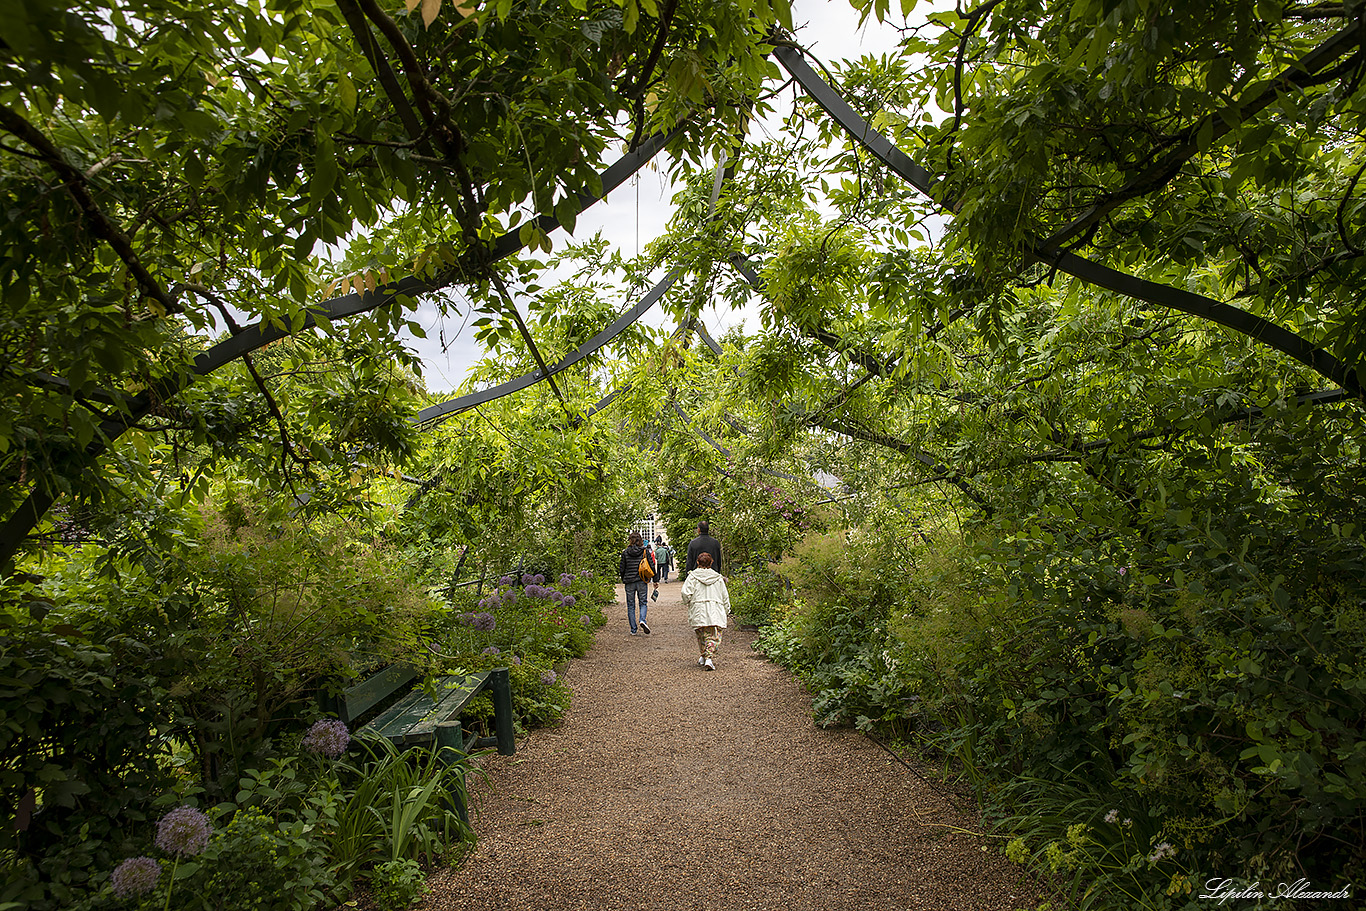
664, 574
637, 591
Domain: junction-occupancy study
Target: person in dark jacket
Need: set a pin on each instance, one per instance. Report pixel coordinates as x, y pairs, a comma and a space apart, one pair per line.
704, 543
637, 589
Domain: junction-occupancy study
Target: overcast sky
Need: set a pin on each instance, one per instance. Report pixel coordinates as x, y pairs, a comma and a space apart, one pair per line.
638, 211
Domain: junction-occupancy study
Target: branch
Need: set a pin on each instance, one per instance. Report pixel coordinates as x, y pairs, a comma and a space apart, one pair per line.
1300, 75
100, 224
648, 68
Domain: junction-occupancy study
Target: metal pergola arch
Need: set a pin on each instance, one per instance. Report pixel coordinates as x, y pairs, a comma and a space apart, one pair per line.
790, 56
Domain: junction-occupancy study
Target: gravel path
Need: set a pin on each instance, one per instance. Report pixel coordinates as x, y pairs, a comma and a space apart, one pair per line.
668, 786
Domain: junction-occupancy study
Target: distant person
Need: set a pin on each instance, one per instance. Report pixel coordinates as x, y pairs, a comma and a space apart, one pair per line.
708, 601
637, 586
704, 543
664, 554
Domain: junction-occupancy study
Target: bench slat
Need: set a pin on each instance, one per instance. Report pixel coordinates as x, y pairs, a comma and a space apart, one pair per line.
414, 718
356, 700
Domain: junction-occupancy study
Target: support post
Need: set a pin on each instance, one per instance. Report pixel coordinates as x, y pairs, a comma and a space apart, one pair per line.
450, 747
501, 684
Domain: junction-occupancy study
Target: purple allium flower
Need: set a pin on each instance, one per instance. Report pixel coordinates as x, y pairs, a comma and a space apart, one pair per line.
570, 600
135, 876
548, 678
566, 579
517, 660
184, 831
328, 737
493, 650
585, 621
528, 578
465, 619
558, 597
539, 579
484, 622
507, 580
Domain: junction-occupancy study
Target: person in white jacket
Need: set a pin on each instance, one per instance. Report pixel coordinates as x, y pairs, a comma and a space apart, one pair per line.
708, 601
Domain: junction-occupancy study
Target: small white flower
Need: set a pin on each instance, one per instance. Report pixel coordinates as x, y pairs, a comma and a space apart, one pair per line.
1162, 851
1112, 817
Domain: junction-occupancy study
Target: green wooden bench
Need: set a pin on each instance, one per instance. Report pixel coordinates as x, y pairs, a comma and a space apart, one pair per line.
418, 719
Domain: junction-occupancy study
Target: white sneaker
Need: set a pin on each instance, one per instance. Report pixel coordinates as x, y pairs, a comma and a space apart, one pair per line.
708, 665
701, 661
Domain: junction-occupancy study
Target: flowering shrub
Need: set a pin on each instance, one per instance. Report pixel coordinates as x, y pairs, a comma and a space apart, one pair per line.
527, 626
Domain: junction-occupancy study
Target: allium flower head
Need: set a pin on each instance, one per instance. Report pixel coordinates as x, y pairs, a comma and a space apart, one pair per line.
135, 876
539, 579
528, 578
328, 737
566, 579
507, 580
184, 831
569, 600
585, 621
548, 678
493, 650
517, 660
484, 622
466, 619
558, 597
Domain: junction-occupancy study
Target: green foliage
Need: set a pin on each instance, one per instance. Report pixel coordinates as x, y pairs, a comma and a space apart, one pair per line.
398, 805
836, 636
254, 619
83, 724
257, 862
1220, 716
397, 884
758, 595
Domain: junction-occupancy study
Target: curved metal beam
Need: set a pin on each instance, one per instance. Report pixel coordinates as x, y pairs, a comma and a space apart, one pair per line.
470, 400
1155, 293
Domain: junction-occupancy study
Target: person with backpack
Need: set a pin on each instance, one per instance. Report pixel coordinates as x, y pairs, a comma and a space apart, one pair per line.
638, 567
664, 556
